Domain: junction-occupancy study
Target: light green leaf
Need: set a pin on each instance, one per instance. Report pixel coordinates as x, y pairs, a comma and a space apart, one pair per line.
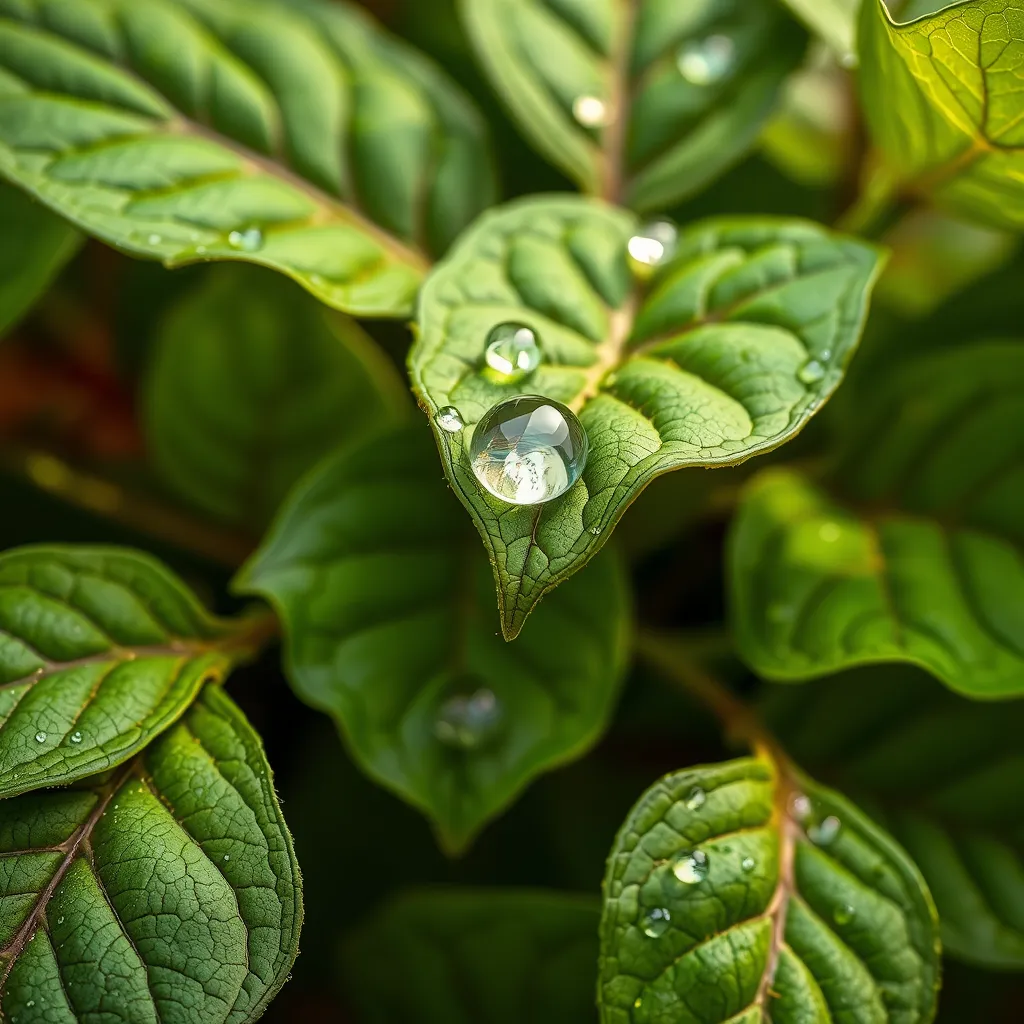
35, 246
296, 136
744, 893
944, 104
641, 103
476, 956
101, 649
943, 775
727, 352
388, 613
251, 383
166, 890
916, 554
834, 20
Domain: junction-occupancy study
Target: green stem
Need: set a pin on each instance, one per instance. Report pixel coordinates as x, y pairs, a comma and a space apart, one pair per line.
878, 206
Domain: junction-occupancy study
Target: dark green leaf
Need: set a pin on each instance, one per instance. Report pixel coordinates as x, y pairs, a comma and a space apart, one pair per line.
252, 382
163, 891
728, 352
743, 893
943, 775
477, 956
944, 104
35, 246
101, 649
916, 554
295, 136
388, 610
638, 102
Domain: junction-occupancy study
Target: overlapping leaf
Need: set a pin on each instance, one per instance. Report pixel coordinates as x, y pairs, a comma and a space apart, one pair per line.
745, 893
728, 352
292, 135
36, 245
640, 102
943, 775
834, 20
252, 382
917, 552
388, 610
164, 890
101, 649
477, 956
944, 102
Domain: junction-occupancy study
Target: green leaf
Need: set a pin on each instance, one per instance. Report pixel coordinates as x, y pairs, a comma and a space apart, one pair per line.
916, 552
296, 136
251, 383
476, 956
943, 775
671, 94
388, 614
166, 890
746, 893
944, 105
36, 245
834, 20
727, 352
101, 649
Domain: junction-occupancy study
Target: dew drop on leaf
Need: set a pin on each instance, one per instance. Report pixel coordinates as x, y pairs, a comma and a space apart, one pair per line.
811, 372
706, 61
75, 737
512, 351
155, 239
843, 914
227, 856
748, 864
249, 240
450, 419
591, 111
468, 720
656, 922
40, 737
655, 243
824, 832
691, 866
528, 450
800, 806
695, 799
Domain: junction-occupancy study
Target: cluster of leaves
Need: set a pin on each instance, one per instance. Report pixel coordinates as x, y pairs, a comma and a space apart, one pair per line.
158, 882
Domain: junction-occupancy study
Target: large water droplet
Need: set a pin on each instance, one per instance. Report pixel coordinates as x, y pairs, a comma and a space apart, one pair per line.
249, 240
691, 866
40, 737
824, 832
706, 61
75, 737
528, 450
467, 721
512, 351
695, 799
590, 111
843, 914
811, 372
656, 922
653, 244
748, 864
450, 419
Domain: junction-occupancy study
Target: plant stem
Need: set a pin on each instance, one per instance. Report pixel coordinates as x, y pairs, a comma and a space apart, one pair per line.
877, 207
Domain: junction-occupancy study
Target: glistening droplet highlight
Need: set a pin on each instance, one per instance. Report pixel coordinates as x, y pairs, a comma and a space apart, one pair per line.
528, 450
249, 240
811, 372
512, 351
706, 61
656, 922
591, 111
824, 833
654, 244
695, 799
450, 419
691, 867
468, 720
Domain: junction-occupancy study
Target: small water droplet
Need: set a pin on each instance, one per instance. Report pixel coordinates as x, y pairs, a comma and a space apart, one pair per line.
800, 806
591, 111
75, 737
512, 351
825, 355
249, 240
595, 531
468, 720
829, 532
691, 866
200, 250
155, 239
811, 372
706, 61
528, 450
227, 856
824, 832
748, 863
656, 922
40, 737
450, 419
655, 243
843, 914
60, 920
695, 799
